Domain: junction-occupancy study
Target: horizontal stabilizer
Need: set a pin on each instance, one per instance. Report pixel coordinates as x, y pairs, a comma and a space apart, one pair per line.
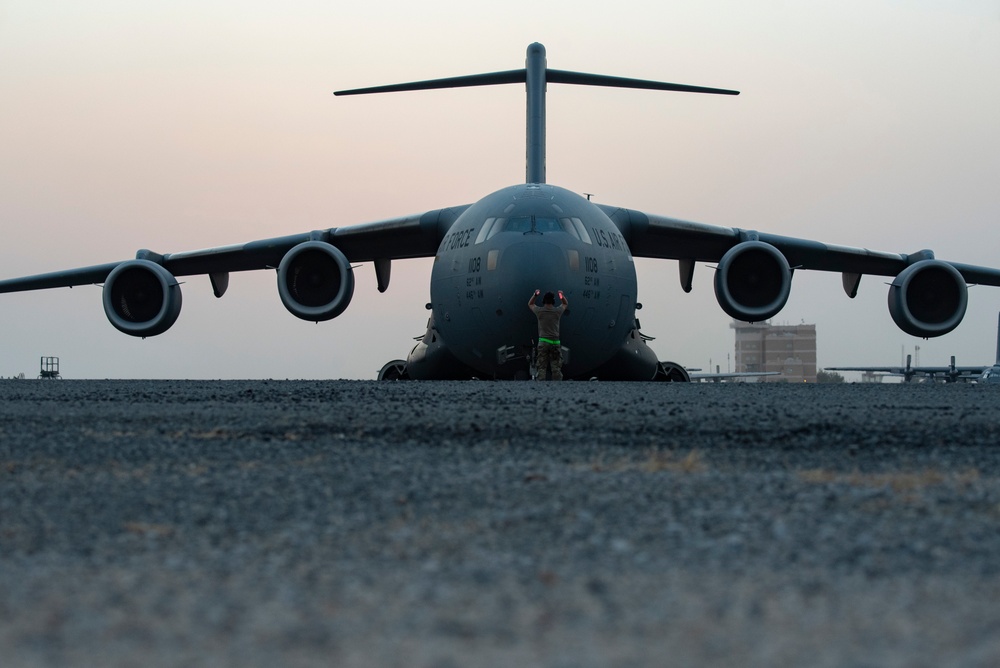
584, 79
536, 76
490, 79
551, 76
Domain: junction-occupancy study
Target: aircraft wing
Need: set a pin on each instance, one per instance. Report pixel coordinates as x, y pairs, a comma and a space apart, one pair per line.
715, 377
972, 370
913, 369
896, 370
656, 236
398, 238
949, 373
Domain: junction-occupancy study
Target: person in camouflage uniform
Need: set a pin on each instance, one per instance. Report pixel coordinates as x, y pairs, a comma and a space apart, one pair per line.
549, 351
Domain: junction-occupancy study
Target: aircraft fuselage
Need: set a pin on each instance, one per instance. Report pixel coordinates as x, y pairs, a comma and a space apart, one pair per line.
501, 249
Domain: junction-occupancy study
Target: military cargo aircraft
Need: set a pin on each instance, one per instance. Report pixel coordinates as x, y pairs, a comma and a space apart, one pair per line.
490, 254
949, 374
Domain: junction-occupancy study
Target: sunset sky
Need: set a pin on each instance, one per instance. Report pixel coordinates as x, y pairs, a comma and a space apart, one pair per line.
182, 125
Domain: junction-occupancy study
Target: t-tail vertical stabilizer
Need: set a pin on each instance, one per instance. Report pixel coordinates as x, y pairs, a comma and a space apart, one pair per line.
536, 75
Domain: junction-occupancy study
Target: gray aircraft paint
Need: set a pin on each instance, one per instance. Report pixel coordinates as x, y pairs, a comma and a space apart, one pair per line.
480, 282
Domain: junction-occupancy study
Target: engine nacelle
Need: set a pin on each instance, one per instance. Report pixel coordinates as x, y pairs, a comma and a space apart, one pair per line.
928, 298
141, 298
752, 281
315, 281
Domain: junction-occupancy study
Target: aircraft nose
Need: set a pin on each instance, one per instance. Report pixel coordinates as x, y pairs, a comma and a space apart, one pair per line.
539, 265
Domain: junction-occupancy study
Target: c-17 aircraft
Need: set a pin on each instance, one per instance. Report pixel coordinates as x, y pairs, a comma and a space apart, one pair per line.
490, 254
949, 374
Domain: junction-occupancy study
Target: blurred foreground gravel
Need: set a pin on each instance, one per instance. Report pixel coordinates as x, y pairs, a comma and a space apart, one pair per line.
356, 523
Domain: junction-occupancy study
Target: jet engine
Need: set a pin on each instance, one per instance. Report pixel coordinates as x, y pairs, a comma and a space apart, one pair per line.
141, 298
315, 281
928, 298
752, 281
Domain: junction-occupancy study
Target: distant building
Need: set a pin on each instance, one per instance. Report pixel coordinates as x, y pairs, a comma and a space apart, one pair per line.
788, 349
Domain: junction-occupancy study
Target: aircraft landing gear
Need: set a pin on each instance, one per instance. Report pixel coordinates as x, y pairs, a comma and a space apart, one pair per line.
671, 372
393, 370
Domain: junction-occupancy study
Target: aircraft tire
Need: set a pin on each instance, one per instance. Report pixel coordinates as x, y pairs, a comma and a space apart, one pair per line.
393, 370
672, 372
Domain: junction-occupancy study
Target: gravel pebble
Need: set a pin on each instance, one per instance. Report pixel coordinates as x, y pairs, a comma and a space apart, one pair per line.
357, 523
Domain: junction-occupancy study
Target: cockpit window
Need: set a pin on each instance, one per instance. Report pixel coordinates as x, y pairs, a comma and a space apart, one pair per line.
518, 224
498, 226
531, 224
544, 225
567, 226
485, 230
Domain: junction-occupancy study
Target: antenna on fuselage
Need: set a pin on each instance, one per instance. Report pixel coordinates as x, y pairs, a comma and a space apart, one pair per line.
535, 76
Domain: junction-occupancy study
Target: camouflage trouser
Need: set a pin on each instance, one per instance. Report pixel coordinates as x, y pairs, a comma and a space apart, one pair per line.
549, 354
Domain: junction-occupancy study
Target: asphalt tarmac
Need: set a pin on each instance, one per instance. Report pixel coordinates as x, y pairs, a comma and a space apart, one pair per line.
438, 525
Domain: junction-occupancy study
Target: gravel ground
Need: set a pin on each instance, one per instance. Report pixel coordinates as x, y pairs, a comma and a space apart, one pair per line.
438, 525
